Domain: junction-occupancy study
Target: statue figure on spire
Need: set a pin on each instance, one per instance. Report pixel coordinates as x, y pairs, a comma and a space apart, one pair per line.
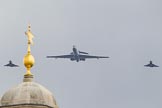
29, 35
29, 59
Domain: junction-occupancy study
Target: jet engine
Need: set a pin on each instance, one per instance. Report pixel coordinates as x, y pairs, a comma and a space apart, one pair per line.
82, 59
72, 59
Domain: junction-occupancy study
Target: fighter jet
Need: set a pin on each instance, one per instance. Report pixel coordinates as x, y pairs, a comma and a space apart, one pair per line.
10, 64
151, 65
77, 55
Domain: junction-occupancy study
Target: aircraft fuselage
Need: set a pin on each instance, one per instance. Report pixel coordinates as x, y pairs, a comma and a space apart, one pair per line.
76, 55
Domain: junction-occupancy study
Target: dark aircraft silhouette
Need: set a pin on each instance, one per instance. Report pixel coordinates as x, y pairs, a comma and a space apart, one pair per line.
77, 56
10, 64
151, 65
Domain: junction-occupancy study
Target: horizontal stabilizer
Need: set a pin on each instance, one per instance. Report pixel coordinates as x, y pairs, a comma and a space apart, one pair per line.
83, 52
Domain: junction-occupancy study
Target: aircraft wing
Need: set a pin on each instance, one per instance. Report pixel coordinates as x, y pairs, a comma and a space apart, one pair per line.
89, 56
6, 65
151, 65
147, 65
15, 65
11, 65
155, 66
61, 56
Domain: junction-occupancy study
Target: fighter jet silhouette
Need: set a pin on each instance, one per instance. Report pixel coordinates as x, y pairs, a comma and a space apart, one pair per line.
77, 55
151, 65
10, 64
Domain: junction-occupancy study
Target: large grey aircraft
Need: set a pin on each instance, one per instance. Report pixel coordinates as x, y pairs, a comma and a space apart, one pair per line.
77, 56
10, 64
151, 65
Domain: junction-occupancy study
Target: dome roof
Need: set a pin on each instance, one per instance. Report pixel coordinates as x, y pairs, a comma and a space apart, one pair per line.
28, 93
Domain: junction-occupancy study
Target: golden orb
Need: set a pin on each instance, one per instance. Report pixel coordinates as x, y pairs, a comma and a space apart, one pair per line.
28, 60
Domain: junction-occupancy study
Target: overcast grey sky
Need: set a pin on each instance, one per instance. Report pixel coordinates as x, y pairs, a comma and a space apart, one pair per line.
128, 31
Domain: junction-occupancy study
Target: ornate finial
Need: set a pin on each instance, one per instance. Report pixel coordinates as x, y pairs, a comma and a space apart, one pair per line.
29, 59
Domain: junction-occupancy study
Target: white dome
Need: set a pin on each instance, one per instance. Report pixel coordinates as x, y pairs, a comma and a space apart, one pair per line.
28, 93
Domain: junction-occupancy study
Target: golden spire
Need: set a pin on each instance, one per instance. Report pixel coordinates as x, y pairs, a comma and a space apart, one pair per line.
29, 59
